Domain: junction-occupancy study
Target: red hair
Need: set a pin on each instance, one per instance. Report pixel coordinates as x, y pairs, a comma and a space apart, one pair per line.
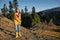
18, 9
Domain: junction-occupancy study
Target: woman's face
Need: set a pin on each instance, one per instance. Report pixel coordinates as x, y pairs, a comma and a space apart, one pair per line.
17, 10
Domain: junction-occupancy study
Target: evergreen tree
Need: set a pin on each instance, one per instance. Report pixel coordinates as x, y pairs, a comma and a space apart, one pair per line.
11, 6
4, 10
11, 11
22, 11
36, 20
26, 9
33, 10
15, 2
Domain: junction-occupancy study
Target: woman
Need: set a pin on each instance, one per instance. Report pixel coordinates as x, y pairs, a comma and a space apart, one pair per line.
17, 22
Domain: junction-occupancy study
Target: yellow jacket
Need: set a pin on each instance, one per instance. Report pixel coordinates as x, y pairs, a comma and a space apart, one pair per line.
17, 19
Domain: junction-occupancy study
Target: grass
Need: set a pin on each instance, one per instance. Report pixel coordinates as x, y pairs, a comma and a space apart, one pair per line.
6, 27
51, 33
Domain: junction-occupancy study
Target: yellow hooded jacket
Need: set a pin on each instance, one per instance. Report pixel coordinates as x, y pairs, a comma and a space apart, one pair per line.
17, 19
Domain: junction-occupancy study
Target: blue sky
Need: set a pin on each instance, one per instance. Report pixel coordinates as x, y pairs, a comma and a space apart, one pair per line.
39, 4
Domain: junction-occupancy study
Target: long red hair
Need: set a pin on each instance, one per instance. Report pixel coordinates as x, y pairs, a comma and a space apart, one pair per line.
16, 11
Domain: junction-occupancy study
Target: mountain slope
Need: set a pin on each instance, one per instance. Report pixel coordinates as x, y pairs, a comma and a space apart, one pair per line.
54, 14
7, 32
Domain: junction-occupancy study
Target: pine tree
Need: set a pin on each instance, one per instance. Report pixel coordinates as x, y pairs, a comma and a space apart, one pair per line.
36, 21
26, 9
4, 10
22, 11
35, 18
11, 6
33, 10
11, 11
15, 2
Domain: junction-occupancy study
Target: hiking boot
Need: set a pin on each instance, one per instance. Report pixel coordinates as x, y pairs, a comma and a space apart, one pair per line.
20, 34
16, 34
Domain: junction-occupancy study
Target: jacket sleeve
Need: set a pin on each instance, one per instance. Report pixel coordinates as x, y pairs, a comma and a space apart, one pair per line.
17, 18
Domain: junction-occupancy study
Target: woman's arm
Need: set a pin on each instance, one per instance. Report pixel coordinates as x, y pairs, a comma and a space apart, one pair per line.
18, 18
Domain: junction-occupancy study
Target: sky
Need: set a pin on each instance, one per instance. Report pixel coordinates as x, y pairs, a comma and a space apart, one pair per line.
39, 4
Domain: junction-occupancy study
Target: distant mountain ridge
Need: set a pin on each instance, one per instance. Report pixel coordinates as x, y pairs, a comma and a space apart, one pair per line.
51, 10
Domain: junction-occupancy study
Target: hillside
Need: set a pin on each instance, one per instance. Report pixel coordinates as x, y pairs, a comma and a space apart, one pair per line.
53, 13
7, 32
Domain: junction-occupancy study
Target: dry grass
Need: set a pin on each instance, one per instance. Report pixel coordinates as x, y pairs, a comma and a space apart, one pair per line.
7, 32
50, 33
6, 23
